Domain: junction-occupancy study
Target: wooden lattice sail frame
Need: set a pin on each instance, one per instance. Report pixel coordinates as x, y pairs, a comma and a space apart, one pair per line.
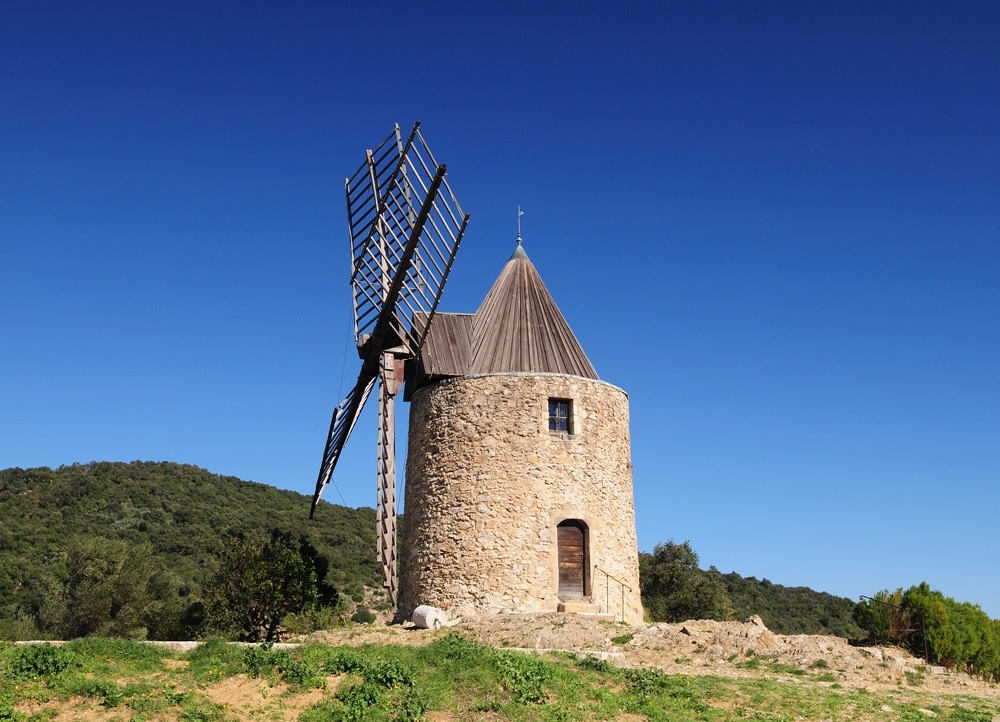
405, 226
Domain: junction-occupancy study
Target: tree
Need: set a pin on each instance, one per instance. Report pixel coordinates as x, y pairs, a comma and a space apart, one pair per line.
115, 589
925, 621
884, 617
674, 588
257, 585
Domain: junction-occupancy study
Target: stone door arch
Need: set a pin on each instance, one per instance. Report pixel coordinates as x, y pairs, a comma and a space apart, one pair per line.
573, 540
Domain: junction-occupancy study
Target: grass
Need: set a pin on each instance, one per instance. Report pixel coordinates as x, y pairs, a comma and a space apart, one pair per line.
452, 675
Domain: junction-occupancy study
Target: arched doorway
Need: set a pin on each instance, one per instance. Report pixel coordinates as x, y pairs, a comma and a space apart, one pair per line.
572, 542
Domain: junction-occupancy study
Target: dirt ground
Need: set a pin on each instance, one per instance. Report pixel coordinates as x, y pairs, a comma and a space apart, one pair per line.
697, 647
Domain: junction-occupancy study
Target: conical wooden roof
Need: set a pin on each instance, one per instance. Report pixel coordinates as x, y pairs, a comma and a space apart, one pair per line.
519, 328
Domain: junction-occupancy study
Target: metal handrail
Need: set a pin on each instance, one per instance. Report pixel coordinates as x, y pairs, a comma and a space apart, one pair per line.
607, 589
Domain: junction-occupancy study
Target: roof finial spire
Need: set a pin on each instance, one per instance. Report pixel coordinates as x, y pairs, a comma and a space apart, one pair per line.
519, 253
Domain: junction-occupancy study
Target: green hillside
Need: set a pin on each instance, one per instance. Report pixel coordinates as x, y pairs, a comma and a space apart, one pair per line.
183, 513
188, 517
675, 588
790, 610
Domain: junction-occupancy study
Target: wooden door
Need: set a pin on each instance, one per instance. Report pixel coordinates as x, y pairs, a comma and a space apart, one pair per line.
572, 558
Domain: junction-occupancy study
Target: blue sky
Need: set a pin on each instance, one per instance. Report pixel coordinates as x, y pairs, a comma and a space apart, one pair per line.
776, 225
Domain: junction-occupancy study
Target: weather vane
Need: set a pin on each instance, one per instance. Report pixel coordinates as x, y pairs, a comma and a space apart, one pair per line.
519, 214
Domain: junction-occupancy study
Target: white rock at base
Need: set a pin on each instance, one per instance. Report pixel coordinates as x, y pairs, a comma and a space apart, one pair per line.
428, 617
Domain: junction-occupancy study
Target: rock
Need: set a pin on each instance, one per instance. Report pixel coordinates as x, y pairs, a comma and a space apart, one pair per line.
428, 617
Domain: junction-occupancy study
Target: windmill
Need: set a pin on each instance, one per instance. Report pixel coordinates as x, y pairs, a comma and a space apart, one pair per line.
405, 226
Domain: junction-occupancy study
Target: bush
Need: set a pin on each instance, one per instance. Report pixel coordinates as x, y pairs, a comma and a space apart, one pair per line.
258, 585
40, 660
357, 700
143, 656
389, 673
454, 648
344, 661
649, 684
262, 661
111, 694
363, 616
215, 657
20, 627
9, 714
523, 676
596, 665
312, 620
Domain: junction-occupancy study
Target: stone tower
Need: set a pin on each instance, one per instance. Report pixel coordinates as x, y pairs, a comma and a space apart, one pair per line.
518, 476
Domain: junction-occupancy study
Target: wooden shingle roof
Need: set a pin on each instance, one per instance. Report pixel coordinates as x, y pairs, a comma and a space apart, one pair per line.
448, 347
517, 329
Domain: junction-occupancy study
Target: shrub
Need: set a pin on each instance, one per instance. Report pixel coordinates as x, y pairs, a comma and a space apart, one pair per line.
9, 714
344, 661
673, 588
40, 660
389, 673
453, 647
595, 664
111, 694
259, 584
262, 661
143, 656
523, 676
412, 708
357, 699
363, 615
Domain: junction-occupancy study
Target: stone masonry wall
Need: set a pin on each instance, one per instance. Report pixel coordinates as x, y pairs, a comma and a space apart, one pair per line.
487, 483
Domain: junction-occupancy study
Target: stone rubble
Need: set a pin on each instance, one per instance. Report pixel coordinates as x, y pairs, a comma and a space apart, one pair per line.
694, 647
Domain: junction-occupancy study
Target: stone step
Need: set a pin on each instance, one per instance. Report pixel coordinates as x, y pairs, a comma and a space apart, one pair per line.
580, 607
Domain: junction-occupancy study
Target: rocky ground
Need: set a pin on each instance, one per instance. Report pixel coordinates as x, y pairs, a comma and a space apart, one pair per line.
693, 647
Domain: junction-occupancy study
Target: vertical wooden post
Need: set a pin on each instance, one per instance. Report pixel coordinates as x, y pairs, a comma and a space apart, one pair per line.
385, 510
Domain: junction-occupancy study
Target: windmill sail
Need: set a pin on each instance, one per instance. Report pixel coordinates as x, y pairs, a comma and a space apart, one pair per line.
405, 226
344, 417
385, 197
